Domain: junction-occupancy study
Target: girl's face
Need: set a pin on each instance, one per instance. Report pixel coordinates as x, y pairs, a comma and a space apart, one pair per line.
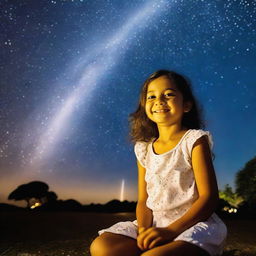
164, 102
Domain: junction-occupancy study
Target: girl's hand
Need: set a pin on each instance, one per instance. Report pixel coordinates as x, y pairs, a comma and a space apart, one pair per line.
152, 237
142, 229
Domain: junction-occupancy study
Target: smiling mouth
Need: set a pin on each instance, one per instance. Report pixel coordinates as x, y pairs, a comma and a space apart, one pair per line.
161, 111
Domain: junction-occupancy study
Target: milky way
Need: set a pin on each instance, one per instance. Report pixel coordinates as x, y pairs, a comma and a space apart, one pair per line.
71, 72
103, 59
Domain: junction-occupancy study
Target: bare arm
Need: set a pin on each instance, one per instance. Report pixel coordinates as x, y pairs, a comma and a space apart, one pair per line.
201, 209
207, 187
143, 213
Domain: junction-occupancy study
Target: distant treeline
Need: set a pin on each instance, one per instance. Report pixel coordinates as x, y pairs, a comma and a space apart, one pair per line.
112, 206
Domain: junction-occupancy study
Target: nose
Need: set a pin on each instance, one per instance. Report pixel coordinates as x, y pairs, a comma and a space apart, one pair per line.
160, 102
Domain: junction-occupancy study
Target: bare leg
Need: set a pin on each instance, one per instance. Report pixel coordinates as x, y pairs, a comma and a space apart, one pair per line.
110, 244
176, 248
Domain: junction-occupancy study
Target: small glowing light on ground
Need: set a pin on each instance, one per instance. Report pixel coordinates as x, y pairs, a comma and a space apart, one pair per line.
122, 191
229, 209
35, 205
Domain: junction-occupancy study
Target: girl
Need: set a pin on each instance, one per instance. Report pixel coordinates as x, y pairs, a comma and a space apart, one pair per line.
177, 187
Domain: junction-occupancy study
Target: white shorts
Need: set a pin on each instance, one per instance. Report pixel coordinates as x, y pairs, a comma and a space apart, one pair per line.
209, 235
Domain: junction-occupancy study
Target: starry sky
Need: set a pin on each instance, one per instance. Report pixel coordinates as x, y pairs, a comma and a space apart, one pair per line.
71, 73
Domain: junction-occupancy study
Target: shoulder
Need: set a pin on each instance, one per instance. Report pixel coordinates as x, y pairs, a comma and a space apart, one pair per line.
198, 136
140, 146
141, 149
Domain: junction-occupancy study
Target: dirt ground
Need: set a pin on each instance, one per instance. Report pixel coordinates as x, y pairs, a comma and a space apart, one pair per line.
70, 234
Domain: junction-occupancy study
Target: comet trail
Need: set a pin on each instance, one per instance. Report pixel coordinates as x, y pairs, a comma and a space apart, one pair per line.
122, 191
102, 58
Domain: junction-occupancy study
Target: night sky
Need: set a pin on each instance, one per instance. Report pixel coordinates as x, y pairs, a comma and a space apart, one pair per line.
71, 73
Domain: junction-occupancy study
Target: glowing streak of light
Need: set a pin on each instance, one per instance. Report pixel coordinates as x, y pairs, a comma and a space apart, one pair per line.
51, 135
122, 191
101, 60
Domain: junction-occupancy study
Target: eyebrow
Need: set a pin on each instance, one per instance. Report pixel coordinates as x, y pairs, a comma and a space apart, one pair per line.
165, 90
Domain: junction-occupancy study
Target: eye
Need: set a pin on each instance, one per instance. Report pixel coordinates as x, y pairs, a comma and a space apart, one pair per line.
150, 97
169, 94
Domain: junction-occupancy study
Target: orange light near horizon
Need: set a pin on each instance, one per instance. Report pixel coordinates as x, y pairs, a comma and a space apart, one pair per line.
35, 205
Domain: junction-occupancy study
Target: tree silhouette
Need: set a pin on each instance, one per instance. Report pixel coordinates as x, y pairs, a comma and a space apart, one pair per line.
229, 196
34, 189
51, 197
246, 183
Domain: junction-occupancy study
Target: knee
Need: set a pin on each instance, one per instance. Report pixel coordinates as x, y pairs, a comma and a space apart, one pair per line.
147, 253
97, 247
153, 252
100, 247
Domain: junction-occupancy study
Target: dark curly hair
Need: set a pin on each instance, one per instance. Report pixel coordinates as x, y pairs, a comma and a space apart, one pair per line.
143, 129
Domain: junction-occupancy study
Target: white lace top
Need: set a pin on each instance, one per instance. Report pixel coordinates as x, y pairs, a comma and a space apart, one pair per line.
171, 185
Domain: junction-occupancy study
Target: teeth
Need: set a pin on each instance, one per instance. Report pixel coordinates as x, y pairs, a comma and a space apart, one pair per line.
161, 111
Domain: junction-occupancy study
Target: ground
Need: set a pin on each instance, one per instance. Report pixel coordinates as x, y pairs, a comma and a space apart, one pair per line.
70, 234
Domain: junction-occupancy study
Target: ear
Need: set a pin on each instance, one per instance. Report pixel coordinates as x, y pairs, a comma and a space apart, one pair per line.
187, 106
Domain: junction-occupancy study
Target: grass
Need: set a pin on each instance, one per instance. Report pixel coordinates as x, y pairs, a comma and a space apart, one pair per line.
70, 234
